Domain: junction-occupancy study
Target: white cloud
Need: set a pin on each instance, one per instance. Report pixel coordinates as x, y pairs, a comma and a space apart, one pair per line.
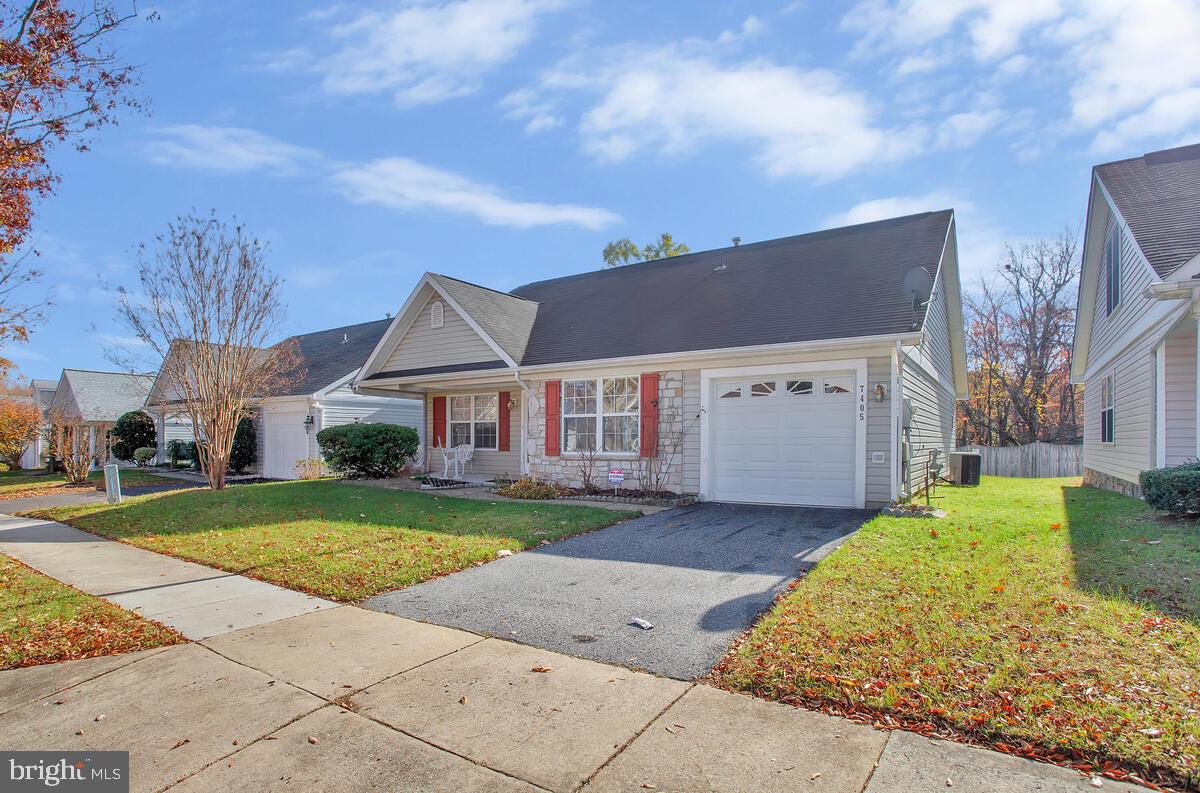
405, 184
674, 99
1130, 68
120, 341
226, 150
980, 239
525, 105
751, 27
962, 130
421, 53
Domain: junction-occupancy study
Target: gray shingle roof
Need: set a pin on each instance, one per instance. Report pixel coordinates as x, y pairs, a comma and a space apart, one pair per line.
1158, 194
104, 396
507, 319
44, 390
328, 355
838, 283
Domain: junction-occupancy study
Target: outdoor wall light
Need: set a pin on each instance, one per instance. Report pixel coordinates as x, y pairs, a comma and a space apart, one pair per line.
880, 392
308, 422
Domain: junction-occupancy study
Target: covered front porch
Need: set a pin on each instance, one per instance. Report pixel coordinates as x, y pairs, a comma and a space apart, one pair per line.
1177, 408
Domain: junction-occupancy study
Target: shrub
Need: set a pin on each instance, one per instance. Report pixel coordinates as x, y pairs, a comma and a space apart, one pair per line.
143, 456
529, 489
175, 452
310, 468
1175, 489
244, 452
19, 425
133, 431
368, 451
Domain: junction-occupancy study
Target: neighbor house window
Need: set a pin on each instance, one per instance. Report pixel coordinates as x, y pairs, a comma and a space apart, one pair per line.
1108, 410
474, 420
1112, 264
600, 414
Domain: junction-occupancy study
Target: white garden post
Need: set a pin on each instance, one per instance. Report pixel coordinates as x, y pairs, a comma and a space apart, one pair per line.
112, 483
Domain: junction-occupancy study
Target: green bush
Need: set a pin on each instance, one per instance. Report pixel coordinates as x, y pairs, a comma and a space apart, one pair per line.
143, 456
133, 431
244, 452
1175, 489
368, 451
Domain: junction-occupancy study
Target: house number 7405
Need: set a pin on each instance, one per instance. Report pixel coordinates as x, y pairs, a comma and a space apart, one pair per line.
862, 402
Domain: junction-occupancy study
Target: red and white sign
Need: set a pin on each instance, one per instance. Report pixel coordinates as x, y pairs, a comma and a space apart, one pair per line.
615, 476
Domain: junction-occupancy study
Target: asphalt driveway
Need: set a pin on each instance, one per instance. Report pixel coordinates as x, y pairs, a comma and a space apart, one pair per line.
699, 574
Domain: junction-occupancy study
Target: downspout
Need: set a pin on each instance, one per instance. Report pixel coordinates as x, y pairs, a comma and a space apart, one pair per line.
524, 418
905, 466
895, 426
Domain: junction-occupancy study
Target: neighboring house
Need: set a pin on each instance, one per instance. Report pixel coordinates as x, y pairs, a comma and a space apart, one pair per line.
774, 372
97, 400
318, 395
43, 395
1139, 303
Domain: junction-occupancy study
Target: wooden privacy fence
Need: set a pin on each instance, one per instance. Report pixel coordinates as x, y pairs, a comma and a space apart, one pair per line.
1035, 459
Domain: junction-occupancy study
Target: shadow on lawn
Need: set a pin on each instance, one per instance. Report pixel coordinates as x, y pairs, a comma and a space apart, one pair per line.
1124, 549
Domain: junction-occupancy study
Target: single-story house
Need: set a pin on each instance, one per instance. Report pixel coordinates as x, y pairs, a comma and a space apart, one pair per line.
819, 369
98, 399
320, 395
43, 396
1139, 304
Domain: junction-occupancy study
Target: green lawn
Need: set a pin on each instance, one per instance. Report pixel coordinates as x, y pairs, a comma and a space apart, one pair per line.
1042, 617
24, 484
43, 621
337, 540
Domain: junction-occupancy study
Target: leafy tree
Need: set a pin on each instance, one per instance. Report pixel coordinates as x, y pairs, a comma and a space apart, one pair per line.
134, 430
59, 81
623, 251
244, 452
20, 422
1020, 324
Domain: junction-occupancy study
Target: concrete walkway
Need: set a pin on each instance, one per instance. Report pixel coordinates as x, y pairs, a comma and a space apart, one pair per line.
195, 600
287, 692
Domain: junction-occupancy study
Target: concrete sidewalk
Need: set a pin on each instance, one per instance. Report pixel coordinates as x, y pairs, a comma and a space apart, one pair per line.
346, 699
195, 600
288, 692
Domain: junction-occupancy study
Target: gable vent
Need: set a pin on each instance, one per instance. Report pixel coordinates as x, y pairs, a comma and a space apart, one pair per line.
437, 315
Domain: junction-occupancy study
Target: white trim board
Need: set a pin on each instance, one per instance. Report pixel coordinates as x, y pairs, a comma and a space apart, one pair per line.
856, 365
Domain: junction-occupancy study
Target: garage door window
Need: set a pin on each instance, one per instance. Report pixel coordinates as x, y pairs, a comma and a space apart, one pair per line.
474, 420
600, 414
733, 392
763, 389
799, 387
838, 385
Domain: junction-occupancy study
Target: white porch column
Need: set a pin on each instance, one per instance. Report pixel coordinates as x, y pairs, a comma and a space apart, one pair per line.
1160, 404
1196, 317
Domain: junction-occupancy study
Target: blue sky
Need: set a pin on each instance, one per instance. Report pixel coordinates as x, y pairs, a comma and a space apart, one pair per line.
506, 141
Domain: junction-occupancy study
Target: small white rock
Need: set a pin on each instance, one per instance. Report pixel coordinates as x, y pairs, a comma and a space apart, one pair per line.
503, 552
641, 623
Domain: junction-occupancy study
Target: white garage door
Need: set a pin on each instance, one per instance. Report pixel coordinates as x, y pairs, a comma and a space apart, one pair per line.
786, 439
286, 442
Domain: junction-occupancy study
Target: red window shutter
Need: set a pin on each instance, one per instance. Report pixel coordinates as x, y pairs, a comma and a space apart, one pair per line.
439, 421
553, 405
502, 433
649, 403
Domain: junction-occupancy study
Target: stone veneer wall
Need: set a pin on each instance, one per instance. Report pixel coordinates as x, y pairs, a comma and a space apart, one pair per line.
1105, 481
565, 469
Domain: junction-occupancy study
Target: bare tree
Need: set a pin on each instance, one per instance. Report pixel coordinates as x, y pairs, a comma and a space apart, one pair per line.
207, 307
1019, 335
72, 446
654, 473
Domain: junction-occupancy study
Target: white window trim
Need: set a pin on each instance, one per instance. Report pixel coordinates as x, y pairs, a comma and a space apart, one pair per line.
856, 365
599, 416
450, 422
1110, 376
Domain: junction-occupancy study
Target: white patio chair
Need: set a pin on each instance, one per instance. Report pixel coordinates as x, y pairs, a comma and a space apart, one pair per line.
457, 456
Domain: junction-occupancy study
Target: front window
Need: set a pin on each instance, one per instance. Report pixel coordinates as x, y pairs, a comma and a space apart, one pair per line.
1108, 411
600, 415
474, 420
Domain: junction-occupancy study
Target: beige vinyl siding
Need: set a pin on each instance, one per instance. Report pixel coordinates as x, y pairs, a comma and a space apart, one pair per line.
424, 345
1133, 449
346, 407
486, 461
1180, 393
932, 425
927, 381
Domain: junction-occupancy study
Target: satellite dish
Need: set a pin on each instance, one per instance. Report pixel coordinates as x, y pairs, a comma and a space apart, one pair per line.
918, 286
